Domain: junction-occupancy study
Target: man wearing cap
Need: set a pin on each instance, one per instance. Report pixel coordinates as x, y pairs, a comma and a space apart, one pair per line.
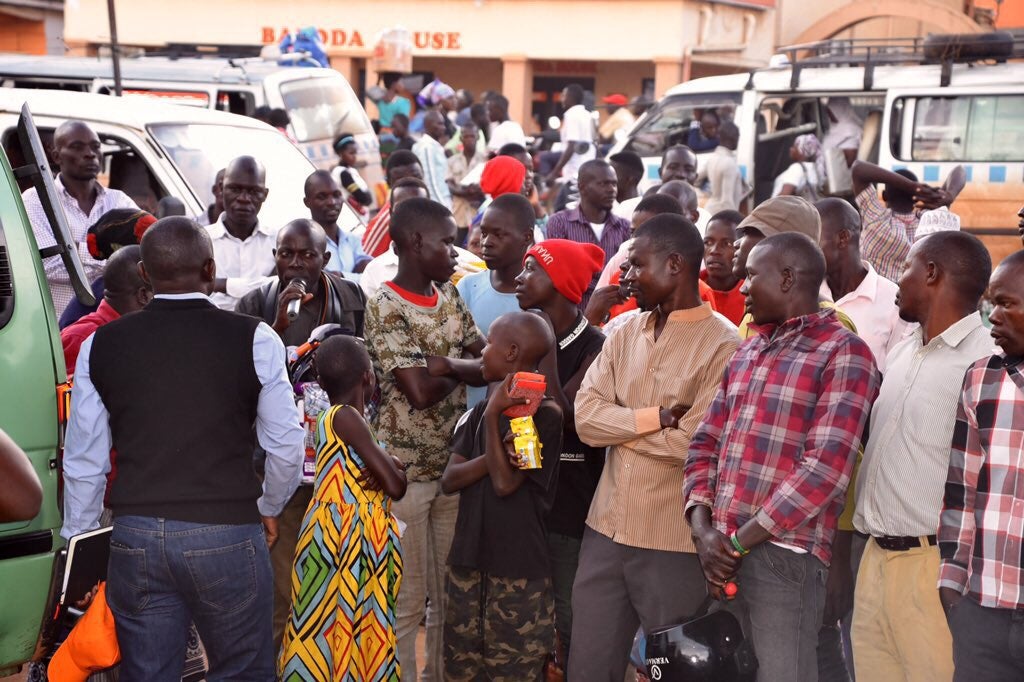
619, 121
555, 274
768, 468
643, 398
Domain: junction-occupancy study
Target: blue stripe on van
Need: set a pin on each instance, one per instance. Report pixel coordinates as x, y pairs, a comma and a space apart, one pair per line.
969, 173
899, 166
931, 174
997, 173
653, 172
743, 172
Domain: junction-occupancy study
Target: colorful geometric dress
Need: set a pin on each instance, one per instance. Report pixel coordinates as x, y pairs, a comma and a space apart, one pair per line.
348, 568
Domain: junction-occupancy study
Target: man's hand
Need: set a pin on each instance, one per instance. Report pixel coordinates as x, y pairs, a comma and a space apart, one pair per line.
670, 416
929, 198
718, 557
270, 530
949, 598
296, 289
601, 303
438, 366
838, 592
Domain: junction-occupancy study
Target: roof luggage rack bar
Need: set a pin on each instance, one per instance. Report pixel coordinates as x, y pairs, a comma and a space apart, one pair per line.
944, 49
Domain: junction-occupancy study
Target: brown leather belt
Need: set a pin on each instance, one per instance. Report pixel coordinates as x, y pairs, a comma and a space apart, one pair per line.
894, 543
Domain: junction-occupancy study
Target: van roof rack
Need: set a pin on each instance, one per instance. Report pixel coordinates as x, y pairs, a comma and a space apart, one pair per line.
206, 50
943, 49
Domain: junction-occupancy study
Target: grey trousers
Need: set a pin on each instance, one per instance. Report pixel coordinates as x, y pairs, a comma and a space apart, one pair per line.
784, 593
988, 643
619, 588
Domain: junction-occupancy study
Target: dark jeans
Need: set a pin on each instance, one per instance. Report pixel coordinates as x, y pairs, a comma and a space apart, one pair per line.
784, 593
835, 653
988, 643
564, 554
164, 574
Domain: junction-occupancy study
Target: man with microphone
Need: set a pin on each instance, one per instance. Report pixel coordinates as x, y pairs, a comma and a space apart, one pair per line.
301, 297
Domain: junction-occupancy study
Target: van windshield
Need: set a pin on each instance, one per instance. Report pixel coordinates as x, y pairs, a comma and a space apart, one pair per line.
669, 122
200, 150
322, 108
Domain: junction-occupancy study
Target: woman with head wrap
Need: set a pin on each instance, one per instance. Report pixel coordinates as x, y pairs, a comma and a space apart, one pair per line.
845, 129
806, 174
116, 228
435, 95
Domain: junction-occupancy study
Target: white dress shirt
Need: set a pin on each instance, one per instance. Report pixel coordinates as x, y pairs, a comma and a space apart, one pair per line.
88, 440
505, 133
872, 307
246, 264
79, 222
906, 459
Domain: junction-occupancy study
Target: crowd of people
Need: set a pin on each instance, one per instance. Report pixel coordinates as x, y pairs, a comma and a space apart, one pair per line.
797, 410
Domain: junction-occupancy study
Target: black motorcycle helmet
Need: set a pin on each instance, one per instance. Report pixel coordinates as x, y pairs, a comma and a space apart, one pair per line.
705, 649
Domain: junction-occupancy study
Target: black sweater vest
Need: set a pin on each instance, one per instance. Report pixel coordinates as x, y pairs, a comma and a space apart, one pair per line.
179, 383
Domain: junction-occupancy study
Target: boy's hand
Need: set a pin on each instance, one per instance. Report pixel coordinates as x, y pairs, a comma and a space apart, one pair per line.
367, 481
500, 400
514, 458
438, 366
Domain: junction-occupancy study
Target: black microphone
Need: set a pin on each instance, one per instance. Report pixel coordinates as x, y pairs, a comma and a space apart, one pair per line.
295, 304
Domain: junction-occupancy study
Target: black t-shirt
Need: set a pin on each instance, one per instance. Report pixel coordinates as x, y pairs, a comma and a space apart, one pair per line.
581, 464
349, 313
505, 536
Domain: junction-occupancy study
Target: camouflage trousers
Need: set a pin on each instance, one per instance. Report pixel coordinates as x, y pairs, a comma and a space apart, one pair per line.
497, 628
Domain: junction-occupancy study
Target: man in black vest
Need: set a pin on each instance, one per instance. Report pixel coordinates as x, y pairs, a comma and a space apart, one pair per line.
325, 297
176, 388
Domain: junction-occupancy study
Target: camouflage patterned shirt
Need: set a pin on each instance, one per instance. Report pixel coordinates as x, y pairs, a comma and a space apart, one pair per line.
401, 334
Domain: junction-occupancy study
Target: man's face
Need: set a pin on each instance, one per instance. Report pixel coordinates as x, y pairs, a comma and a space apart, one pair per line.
763, 287
624, 178
679, 165
469, 137
639, 218
1006, 291
1020, 225
599, 187
494, 112
830, 243
913, 294
649, 275
399, 127
433, 125
527, 161
77, 153
709, 126
533, 285
324, 201
437, 255
244, 194
719, 248
748, 239
412, 170
298, 257
502, 242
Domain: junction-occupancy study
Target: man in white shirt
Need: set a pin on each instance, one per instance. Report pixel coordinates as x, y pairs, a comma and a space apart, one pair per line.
577, 133
242, 248
723, 173
503, 131
860, 292
431, 154
76, 151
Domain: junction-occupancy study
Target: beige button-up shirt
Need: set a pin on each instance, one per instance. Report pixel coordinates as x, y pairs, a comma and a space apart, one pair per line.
639, 499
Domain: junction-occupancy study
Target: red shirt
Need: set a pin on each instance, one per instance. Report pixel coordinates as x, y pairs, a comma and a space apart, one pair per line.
376, 239
72, 336
706, 295
730, 303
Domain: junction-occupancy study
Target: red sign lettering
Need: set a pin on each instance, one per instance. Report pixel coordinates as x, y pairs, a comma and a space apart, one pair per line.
339, 37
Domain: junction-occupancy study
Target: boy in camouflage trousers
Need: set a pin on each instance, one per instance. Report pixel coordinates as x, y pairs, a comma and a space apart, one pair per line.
500, 621
407, 320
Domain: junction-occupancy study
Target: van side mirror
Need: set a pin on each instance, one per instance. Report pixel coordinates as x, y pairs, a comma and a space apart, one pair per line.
37, 171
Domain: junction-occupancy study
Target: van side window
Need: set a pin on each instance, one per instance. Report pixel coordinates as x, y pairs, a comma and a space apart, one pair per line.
968, 128
6, 281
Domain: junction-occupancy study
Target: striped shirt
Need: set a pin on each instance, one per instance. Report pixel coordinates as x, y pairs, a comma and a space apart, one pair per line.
981, 530
435, 169
639, 499
899, 488
79, 222
778, 443
886, 236
376, 239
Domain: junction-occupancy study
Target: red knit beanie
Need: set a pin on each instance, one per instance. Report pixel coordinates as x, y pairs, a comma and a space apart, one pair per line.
570, 265
502, 175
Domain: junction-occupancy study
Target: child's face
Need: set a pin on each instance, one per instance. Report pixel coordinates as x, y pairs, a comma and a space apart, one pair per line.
348, 155
437, 255
494, 361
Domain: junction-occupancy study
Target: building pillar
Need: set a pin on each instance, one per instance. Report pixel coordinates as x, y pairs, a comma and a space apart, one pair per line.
348, 68
517, 86
668, 71
371, 80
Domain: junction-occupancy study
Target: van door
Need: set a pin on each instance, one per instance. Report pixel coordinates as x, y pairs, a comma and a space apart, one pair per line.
32, 367
929, 131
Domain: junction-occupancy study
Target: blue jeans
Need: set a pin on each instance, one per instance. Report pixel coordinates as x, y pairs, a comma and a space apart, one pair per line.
164, 574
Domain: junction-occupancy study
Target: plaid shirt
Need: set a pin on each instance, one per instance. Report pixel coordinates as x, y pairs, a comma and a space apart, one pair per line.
981, 530
886, 237
780, 439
